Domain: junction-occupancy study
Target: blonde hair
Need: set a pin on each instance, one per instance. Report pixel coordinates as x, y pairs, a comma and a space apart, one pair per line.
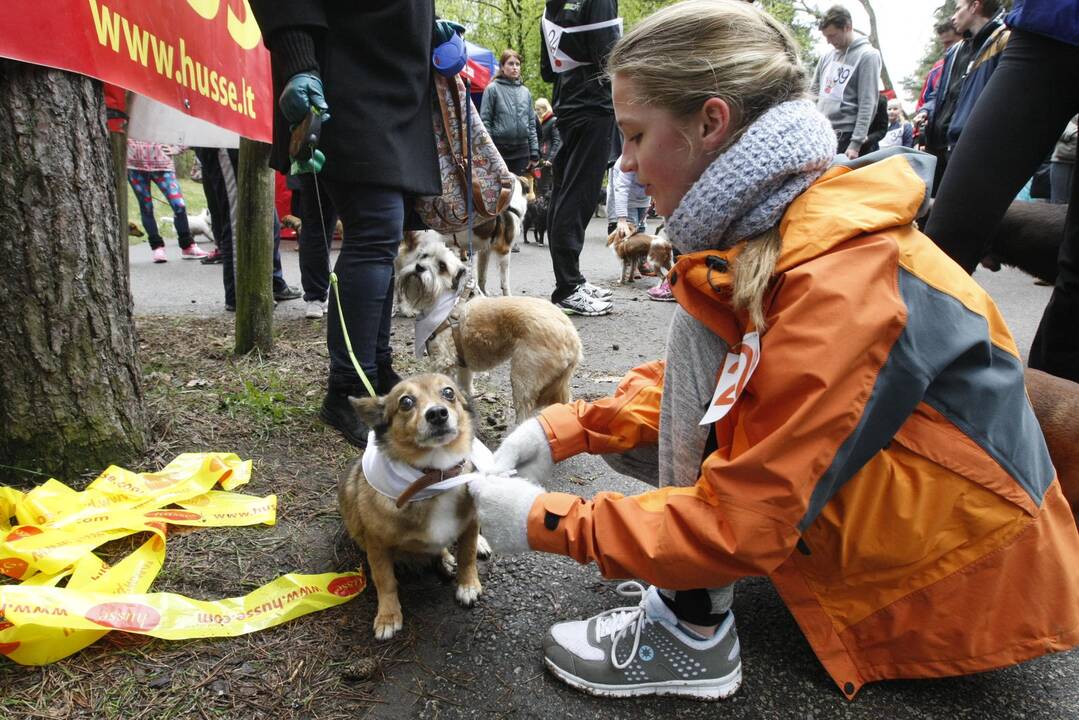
543, 106
692, 51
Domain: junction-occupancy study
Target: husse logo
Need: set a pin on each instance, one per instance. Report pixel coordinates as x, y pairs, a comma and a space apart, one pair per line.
22, 531
13, 567
175, 515
244, 31
346, 586
124, 616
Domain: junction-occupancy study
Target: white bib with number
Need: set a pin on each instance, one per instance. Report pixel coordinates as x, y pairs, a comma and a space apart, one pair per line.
834, 83
737, 369
552, 37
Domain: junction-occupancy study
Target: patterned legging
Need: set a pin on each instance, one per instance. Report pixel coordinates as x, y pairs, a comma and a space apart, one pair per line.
165, 180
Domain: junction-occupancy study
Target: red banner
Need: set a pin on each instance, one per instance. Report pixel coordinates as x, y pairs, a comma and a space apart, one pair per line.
203, 57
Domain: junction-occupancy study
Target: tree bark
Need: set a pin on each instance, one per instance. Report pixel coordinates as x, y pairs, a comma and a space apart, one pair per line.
874, 40
70, 392
254, 249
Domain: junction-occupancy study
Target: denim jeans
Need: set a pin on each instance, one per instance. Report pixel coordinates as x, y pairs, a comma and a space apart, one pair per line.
373, 218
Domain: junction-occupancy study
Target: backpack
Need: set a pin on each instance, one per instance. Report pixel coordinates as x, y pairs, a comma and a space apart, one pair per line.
492, 182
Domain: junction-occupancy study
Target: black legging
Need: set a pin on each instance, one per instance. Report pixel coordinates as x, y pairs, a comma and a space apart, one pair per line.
1018, 118
578, 177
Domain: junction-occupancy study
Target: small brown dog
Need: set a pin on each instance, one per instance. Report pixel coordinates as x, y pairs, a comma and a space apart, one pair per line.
637, 248
402, 500
479, 333
1056, 405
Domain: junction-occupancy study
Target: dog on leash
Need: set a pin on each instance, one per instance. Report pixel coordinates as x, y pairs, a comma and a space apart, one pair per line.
403, 500
469, 332
1056, 405
199, 224
638, 247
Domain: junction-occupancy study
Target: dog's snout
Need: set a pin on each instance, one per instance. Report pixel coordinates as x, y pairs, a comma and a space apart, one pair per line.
419, 268
437, 415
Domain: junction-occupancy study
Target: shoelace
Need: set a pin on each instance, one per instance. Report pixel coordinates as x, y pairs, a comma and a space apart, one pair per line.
617, 622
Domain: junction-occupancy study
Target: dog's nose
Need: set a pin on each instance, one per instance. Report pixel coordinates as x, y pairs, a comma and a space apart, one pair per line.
419, 268
437, 415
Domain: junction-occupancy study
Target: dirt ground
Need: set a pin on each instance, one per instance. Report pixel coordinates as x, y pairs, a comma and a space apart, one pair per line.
447, 662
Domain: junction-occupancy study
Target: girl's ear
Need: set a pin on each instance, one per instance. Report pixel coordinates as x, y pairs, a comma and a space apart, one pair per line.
715, 116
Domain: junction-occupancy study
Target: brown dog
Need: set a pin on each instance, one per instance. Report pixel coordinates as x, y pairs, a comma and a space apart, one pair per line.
1056, 405
637, 248
401, 502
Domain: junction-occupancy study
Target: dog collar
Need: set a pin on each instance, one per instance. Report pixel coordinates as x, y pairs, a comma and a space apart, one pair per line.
394, 479
450, 314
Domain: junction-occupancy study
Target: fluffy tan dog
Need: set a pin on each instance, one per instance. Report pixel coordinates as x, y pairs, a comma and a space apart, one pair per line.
478, 333
400, 502
634, 249
1056, 405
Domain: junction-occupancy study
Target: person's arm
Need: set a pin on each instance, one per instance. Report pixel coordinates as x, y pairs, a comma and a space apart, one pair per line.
879, 126
617, 423
622, 184
487, 106
556, 141
289, 31
868, 76
814, 84
546, 72
601, 41
908, 134
533, 136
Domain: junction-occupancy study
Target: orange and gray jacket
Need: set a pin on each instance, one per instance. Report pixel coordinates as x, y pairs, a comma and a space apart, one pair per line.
882, 465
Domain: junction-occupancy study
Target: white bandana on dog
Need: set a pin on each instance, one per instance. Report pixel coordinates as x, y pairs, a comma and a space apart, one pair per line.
391, 478
427, 322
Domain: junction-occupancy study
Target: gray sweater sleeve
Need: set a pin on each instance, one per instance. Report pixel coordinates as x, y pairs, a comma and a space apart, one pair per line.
868, 77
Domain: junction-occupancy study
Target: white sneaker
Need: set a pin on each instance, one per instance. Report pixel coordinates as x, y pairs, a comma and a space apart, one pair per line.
641, 650
315, 309
596, 291
581, 303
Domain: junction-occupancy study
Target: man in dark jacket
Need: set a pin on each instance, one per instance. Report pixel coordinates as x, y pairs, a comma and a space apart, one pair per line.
367, 66
582, 101
967, 68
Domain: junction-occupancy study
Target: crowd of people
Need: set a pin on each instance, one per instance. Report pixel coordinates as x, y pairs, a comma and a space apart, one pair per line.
869, 445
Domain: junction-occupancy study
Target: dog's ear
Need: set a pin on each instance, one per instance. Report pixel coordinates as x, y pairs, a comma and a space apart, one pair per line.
458, 278
372, 410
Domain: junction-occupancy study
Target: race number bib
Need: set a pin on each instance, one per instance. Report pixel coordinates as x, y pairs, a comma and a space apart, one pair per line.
737, 369
836, 77
552, 37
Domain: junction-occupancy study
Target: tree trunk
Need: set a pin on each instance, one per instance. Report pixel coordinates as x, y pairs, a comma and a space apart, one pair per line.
254, 249
874, 40
70, 392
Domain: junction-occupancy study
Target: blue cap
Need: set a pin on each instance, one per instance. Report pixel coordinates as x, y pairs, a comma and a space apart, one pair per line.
449, 57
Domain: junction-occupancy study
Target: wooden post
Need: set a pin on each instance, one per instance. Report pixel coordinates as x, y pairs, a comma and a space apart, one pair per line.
253, 247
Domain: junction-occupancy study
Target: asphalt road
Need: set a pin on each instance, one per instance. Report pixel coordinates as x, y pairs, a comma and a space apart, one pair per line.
486, 662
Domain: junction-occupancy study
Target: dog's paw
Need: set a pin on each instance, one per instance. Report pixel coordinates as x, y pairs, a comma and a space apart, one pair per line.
446, 565
468, 594
388, 624
483, 548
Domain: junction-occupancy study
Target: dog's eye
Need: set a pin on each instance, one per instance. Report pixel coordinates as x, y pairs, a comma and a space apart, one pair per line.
407, 402
442, 267
447, 392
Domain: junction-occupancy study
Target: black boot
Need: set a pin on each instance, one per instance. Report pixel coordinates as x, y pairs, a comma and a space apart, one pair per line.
387, 378
338, 413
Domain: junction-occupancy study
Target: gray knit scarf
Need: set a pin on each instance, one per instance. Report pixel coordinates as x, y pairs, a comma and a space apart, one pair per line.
746, 190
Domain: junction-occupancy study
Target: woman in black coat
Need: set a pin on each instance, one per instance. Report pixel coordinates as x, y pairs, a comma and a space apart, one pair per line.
369, 65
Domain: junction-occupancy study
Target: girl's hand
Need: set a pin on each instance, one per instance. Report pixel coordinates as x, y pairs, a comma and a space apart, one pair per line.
503, 504
526, 451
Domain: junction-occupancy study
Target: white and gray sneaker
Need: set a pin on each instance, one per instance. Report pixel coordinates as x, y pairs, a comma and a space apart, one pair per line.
315, 309
581, 303
641, 650
596, 291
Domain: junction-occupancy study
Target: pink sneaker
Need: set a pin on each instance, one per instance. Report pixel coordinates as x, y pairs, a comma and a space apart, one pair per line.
193, 252
159, 255
661, 292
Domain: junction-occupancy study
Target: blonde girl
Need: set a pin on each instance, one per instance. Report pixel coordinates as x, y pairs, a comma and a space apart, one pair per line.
841, 408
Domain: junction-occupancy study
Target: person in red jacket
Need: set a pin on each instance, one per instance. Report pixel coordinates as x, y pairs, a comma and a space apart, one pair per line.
841, 408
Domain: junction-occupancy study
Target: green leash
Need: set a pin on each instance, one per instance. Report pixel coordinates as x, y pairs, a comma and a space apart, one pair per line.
337, 296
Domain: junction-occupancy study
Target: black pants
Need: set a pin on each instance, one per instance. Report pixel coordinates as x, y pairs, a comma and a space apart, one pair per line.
578, 176
1017, 120
219, 185
373, 218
